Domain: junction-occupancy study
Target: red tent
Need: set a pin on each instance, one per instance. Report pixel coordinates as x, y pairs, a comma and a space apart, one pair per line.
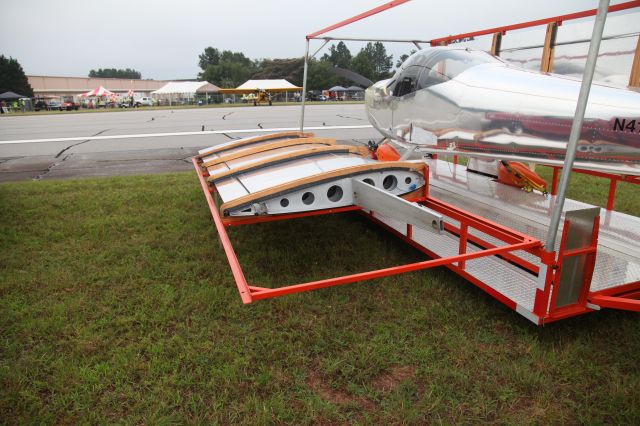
100, 91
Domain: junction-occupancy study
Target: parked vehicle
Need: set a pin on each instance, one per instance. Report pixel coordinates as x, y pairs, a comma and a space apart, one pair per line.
70, 106
40, 106
54, 105
145, 101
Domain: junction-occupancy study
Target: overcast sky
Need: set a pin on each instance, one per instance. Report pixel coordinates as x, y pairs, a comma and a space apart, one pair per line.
162, 39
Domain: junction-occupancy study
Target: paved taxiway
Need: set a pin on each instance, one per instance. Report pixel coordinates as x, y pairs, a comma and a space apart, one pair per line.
63, 159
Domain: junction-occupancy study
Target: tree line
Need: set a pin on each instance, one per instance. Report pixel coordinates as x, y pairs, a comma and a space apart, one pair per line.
115, 73
230, 69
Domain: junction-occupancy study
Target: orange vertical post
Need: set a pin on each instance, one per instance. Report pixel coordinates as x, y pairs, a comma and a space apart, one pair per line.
546, 65
496, 43
634, 78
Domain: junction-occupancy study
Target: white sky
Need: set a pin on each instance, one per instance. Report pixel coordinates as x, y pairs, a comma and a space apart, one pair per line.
162, 39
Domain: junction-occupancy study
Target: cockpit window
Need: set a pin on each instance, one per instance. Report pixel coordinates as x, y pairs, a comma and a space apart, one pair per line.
407, 81
449, 64
427, 68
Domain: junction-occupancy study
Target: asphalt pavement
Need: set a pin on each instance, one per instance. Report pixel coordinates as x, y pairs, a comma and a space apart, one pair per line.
151, 154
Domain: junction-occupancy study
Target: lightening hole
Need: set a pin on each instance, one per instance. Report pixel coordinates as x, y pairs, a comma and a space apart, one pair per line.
334, 193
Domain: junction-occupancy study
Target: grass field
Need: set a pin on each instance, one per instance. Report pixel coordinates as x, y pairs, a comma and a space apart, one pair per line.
118, 306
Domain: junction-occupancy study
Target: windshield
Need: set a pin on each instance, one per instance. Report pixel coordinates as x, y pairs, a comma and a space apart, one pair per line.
430, 67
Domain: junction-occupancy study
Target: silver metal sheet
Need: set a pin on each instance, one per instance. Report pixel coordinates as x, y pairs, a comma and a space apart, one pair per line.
508, 280
372, 198
279, 174
230, 189
239, 148
618, 258
333, 193
574, 268
224, 145
452, 99
257, 157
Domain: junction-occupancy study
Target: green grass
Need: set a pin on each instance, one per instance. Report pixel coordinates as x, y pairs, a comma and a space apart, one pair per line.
155, 108
118, 306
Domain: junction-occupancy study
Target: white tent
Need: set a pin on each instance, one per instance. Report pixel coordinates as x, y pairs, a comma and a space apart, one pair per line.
184, 89
276, 85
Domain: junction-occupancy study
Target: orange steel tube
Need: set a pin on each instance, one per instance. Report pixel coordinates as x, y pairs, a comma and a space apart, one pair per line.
612, 194
485, 245
359, 17
380, 273
462, 244
617, 303
505, 234
236, 270
558, 19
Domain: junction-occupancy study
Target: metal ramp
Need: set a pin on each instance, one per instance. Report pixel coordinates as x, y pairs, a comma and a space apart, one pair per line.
618, 259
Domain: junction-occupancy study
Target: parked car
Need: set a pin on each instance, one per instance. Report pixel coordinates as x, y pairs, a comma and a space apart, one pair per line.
40, 106
55, 105
146, 101
70, 106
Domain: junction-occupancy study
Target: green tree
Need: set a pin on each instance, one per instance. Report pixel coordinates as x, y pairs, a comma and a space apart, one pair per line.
291, 69
373, 62
226, 68
404, 57
13, 78
128, 73
363, 65
339, 56
210, 56
320, 76
382, 62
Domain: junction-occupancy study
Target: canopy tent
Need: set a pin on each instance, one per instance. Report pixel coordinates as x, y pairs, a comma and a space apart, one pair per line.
174, 91
11, 96
186, 88
355, 89
99, 92
338, 89
275, 85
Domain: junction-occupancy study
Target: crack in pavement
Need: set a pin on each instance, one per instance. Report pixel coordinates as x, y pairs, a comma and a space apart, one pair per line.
139, 159
224, 117
260, 125
79, 143
56, 163
4, 160
353, 118
116, 162
51, 166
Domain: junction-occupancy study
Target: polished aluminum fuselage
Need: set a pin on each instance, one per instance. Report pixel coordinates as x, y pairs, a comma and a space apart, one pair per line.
496, 110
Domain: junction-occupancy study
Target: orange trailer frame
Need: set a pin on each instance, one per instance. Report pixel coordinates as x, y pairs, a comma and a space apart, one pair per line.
544, 306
